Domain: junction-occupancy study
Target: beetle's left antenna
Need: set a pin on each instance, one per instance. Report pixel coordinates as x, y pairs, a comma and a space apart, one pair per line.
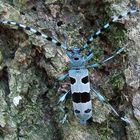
36, 32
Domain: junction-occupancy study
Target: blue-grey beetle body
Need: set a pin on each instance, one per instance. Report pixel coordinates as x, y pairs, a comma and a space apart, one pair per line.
78, 73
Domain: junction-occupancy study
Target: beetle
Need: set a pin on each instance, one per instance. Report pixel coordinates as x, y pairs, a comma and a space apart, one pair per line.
78, 73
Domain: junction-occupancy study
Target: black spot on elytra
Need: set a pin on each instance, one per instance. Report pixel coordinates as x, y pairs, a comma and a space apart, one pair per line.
72, 80
77, 111
83, 97
76, 97
87, 111
85, 80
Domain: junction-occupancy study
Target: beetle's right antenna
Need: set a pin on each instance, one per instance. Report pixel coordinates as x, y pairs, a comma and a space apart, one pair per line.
107, 25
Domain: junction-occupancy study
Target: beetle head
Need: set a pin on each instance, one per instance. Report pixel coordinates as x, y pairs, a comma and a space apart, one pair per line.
76, 57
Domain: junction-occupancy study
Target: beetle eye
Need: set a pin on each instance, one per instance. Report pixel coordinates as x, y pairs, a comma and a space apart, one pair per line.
76, 58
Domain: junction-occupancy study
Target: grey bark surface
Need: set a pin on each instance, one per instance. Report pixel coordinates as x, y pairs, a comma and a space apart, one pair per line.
29, 67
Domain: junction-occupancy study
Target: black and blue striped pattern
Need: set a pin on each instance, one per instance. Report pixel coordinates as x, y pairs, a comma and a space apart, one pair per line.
58, 43
36, 32
107, 25
82, 97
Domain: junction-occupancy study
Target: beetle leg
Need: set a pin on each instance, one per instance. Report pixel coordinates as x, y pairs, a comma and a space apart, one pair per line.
102, 99
96, 65
89, 57
64, 97
63, 108
65, 117
63, 77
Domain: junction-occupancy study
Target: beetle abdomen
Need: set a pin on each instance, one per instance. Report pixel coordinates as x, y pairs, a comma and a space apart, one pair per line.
80, 88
